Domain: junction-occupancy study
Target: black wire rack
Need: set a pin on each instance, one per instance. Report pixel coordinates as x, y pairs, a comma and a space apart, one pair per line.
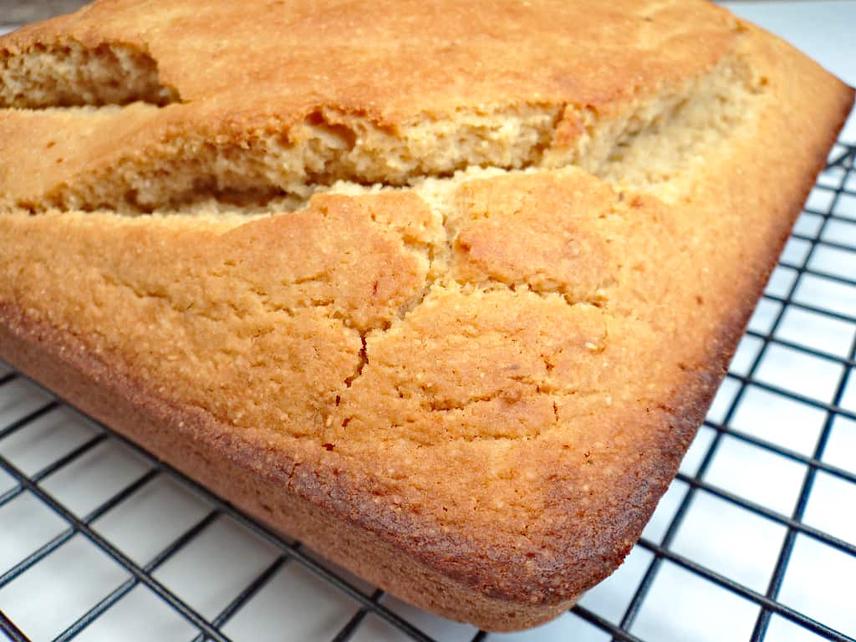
829, 228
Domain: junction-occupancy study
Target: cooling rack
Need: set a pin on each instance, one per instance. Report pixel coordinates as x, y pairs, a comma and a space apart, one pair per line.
755, 539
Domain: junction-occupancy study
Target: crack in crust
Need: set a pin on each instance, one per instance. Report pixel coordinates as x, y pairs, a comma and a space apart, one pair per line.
163, 160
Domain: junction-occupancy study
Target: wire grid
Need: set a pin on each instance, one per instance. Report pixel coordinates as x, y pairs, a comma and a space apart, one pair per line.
837, 184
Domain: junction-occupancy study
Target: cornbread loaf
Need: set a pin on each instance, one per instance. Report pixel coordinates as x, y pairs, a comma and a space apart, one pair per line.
441, 288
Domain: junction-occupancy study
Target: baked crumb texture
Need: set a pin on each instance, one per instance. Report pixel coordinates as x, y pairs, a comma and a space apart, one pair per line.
444, 288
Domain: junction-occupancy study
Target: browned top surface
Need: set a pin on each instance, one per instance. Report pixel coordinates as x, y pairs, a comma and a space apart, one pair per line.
398, 59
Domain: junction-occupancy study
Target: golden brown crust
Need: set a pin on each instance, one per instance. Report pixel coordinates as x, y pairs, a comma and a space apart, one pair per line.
347, 529
436, 56
348, 356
